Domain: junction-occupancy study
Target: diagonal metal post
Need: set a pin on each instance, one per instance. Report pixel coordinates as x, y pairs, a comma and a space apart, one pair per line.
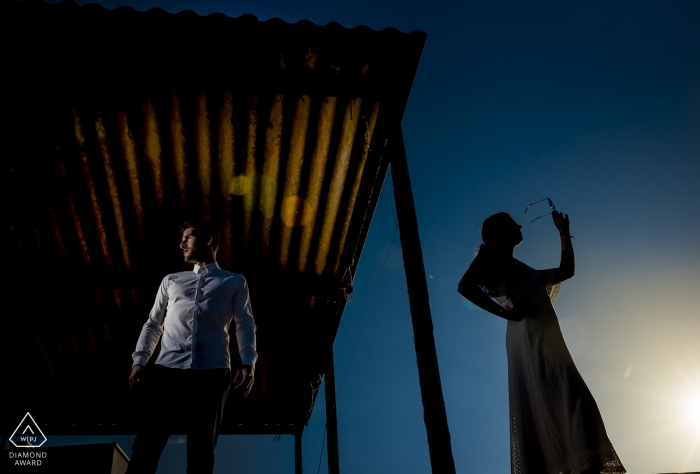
297, 452
331, 416
434, 413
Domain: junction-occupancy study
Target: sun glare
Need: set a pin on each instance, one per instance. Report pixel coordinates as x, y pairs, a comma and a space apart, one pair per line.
693, 410
672, 409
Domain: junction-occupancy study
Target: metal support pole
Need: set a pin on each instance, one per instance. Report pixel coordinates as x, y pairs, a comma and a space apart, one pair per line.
297, 452
331, 418
434, 413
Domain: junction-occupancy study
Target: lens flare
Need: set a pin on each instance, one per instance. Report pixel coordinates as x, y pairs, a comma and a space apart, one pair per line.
692, 406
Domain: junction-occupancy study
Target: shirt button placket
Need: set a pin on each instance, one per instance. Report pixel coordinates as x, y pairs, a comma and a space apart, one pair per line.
196, 312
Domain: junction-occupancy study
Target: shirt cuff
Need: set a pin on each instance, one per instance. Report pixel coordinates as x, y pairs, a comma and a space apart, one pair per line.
139, 360
249, 361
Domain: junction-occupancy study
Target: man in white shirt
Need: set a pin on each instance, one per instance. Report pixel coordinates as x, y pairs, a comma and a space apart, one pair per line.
189, 382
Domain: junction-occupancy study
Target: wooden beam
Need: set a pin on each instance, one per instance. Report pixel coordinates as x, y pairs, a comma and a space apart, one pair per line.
434, 414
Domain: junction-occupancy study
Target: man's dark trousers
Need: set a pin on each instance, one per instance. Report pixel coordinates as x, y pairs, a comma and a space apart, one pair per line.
178, 401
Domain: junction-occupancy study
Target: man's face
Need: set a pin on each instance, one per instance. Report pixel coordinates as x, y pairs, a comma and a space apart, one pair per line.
191, 245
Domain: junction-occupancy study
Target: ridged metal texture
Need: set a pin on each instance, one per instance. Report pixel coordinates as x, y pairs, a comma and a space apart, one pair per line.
122, 124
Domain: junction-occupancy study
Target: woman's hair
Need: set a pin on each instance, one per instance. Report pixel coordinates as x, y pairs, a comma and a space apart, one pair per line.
494, 233
493, 230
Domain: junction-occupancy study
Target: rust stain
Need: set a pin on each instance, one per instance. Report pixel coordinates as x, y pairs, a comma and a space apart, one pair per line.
177, 136
132, 168
249, 179
74, 214
153, 149
113, 190
340, 171
226, 163
85, 158
270, 172
56, 229
54, 336
369, 133
117, 297
292, 203
37, 236
18, 241
73, 339
49, 365
90, 338
318, 168
203, 146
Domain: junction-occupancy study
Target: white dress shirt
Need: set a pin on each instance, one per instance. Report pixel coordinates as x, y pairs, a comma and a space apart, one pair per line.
193, 311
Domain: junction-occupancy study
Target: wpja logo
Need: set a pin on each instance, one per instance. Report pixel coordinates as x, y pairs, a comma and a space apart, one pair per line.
27, 435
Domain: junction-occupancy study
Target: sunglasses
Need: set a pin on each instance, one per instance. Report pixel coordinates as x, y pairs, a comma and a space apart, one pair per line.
551, 204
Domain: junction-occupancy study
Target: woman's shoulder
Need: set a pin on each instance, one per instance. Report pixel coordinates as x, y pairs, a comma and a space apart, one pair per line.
485, 260
522, 264
523, 268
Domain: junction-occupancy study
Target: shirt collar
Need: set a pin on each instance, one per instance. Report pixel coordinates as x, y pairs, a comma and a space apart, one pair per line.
209, 267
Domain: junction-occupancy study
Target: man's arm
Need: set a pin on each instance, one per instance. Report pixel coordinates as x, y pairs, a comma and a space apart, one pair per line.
245, 335
150, 333
245, 325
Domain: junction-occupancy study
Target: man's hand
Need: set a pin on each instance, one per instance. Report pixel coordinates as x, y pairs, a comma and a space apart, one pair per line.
134, 377
243, 381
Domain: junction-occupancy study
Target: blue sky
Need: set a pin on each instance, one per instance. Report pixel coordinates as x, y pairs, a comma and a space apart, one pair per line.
593, 104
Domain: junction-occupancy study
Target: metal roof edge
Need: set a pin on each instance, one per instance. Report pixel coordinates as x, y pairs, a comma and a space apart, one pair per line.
66, 4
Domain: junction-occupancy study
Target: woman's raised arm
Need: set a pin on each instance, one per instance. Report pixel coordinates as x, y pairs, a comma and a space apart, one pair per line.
566, 265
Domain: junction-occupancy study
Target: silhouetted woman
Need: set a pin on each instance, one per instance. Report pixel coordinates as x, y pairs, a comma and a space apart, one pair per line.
555, 425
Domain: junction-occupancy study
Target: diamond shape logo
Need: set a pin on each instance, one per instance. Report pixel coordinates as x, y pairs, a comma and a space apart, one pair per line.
27, 434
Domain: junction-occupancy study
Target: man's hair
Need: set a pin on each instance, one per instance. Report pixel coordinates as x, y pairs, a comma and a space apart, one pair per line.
203, 226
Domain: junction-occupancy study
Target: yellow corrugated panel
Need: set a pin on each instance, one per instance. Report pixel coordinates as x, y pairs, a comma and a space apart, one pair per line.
337, 186
270, 171
226, 161
293, 205
203, 157
247, 184
153, 149
97, 212
78, 226
177, 143
318, 169
113, 191
367, 140
132, 169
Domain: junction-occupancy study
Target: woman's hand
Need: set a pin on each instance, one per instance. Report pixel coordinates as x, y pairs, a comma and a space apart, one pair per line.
561, 221
523, 308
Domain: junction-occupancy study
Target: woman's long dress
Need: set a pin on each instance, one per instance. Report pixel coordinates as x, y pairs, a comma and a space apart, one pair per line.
555, 424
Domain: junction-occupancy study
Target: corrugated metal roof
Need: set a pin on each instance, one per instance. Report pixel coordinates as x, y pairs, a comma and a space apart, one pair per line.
121, 125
